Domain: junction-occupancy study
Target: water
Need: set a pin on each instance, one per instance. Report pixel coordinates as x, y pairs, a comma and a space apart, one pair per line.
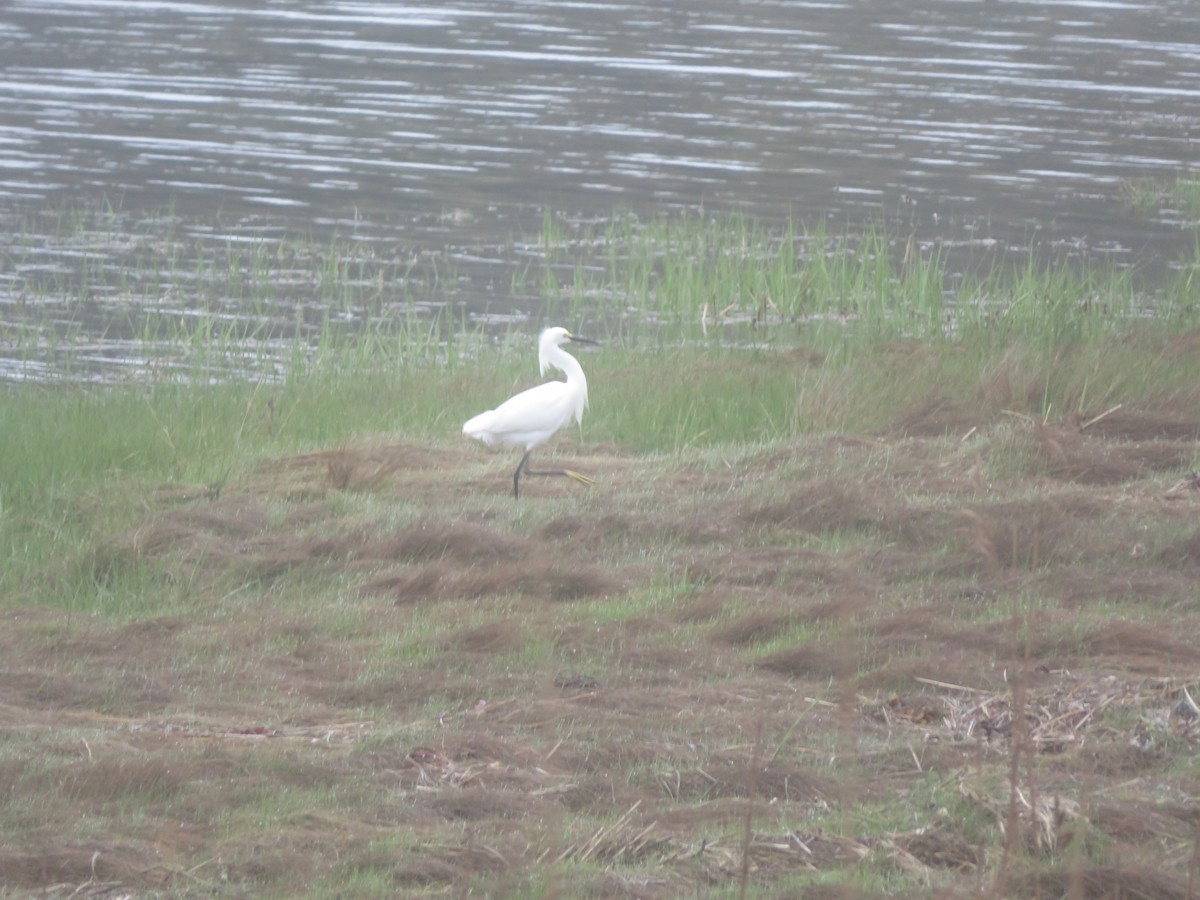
441, 133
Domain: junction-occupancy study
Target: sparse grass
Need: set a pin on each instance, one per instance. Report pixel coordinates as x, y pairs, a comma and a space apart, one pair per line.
295, 637
1177, 197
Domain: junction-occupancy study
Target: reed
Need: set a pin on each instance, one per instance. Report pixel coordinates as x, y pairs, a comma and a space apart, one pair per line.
1173, 198
726, 280
194, 299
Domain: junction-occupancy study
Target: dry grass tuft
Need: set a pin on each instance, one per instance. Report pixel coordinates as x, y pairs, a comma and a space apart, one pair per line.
819, 506
356, 468
1061, 713
538, 577
759, 567
1142, 648
1133, 882
939, 848
116, 780
813, 661
1140, 821
1144, 426
754, 628
1086, 455
1020, 535
458, 541
937, 416
90, 869
1182, 554
494, 637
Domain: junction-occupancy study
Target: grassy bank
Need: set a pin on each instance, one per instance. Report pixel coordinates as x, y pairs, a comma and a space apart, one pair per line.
885, 589
61, 443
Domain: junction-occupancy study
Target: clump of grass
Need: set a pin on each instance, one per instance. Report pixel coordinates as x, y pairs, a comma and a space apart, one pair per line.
1173, 198
733, 281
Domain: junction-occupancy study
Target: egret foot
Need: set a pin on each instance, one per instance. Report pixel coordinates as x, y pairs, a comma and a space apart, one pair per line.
566, 473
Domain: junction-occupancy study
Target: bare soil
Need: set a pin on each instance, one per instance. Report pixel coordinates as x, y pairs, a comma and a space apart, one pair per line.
953, 659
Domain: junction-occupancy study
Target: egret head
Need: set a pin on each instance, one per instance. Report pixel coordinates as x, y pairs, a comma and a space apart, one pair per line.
553, 337
549, 343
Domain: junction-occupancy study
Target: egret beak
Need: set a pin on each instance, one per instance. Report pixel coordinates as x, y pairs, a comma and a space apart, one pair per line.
582, 340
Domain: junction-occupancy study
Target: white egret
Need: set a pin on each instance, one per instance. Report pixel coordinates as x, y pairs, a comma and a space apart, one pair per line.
531, 417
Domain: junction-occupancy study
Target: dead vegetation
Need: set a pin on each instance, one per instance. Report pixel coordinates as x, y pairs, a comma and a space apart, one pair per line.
956, 662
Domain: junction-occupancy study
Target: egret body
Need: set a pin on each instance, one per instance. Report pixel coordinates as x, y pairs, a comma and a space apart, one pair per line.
531, 417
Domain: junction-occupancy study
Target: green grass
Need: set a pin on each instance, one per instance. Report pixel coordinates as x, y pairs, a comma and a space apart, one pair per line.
236, 610
65, 446
1177, 197
735, 281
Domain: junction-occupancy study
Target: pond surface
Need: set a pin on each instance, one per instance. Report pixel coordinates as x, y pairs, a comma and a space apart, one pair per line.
445, 131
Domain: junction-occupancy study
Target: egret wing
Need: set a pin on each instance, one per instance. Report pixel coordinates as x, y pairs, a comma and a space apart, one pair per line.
528, 418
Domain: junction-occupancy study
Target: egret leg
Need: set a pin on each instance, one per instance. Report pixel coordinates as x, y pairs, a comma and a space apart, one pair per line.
567, 473
517, 475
